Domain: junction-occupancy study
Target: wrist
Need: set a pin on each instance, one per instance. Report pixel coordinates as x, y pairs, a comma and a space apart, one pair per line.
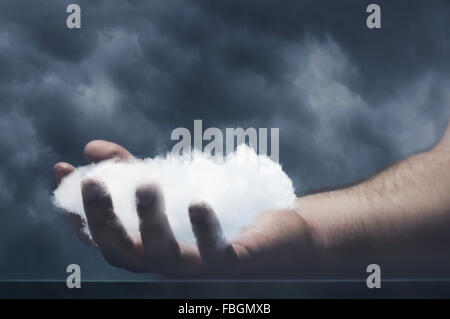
306, 209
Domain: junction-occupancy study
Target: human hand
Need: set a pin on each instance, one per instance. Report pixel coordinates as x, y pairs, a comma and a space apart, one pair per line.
273, 244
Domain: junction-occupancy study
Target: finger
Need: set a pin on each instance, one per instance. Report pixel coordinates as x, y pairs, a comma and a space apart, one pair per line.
157, 236
61, 170
212, 244
107, 231
80, 227
99, 150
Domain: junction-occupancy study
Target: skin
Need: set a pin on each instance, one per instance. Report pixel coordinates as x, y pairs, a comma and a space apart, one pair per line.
398, 218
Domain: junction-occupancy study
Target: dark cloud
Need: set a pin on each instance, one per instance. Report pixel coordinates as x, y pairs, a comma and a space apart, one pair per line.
348, 100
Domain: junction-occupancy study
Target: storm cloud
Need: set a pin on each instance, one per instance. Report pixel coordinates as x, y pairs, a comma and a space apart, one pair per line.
348, 100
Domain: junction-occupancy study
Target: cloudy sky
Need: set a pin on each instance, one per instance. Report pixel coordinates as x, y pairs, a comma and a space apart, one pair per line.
348, 100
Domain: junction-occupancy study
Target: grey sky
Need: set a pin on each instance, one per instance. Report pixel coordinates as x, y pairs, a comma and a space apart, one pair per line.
348, 100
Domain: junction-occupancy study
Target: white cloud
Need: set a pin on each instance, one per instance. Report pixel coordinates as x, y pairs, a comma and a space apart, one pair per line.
238, 188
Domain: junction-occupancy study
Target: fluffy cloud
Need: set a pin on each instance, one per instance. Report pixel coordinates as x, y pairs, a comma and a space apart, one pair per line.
238, 188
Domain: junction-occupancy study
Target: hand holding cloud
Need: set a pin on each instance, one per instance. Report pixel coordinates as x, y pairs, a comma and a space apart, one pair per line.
243, 185
136, 194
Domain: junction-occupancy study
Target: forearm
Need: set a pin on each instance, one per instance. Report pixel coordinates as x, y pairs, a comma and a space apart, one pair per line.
398, 216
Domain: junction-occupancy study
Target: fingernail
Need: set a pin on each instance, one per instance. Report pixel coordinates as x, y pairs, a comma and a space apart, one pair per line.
148, 195
93, 190
198, 214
